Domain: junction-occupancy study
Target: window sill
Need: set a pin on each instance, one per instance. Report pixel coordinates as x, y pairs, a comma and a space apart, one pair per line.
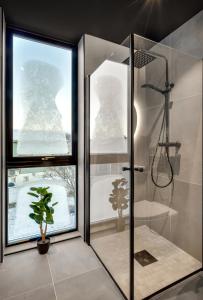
31, 245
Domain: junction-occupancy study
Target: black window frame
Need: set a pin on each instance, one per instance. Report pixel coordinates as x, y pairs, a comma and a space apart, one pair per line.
13, 162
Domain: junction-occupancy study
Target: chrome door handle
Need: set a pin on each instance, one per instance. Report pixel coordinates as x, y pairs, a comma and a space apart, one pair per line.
125, 169
136, 168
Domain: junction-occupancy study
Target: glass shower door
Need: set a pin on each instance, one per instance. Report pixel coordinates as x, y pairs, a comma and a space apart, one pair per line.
110, 183
168, 143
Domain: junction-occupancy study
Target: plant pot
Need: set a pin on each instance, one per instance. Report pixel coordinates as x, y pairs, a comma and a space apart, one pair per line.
120, 224
43, 246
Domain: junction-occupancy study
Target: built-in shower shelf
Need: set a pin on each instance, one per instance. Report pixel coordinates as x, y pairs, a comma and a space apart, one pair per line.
145, 209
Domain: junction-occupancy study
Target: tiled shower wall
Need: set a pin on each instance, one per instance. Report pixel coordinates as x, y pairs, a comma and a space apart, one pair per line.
189, 37
185, 227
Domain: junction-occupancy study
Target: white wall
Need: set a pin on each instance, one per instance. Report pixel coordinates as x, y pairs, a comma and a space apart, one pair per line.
81, 157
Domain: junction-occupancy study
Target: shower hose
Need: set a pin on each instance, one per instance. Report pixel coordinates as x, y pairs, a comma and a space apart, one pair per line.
161, 136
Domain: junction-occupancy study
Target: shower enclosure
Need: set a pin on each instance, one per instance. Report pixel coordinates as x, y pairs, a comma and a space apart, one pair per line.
144, 163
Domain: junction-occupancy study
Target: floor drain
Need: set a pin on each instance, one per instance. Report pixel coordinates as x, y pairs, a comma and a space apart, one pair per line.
144, 258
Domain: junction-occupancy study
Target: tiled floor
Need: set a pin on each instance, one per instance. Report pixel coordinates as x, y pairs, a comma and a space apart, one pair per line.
173, 263
190, 289
70, 271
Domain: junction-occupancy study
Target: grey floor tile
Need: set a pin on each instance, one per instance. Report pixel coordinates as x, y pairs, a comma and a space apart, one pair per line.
23, 272
43, 293
94, 285
71, 258
190, 289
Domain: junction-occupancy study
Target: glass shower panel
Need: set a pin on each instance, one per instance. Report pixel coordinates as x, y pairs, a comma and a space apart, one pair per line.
109, 184
168, 144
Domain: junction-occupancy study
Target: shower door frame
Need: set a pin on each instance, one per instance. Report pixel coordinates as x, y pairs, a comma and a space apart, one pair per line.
130, 123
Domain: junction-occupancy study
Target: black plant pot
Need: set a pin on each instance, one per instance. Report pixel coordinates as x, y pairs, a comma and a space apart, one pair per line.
43, 246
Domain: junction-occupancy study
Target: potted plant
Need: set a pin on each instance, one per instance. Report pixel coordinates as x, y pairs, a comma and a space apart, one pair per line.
42, 214
119, 200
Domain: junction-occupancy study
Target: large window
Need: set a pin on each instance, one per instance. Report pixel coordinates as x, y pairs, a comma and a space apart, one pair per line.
41, 132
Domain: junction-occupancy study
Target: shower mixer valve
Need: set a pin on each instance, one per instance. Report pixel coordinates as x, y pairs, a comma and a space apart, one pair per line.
170, 144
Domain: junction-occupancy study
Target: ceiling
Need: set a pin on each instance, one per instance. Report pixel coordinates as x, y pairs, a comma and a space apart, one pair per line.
113, 20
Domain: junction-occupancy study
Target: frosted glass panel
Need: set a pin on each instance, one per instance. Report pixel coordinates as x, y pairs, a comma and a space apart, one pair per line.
108, 116
41, 99
61, 182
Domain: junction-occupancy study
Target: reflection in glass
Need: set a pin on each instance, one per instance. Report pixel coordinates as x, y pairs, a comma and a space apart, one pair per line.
108, 111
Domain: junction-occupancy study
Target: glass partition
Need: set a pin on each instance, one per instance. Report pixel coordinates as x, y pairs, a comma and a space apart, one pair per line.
109, 156
167, 140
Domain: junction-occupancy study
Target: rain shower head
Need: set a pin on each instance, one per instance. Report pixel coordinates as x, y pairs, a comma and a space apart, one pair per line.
141, 59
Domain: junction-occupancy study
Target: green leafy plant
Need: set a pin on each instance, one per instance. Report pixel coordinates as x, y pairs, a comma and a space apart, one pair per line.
43, 211
119, 196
